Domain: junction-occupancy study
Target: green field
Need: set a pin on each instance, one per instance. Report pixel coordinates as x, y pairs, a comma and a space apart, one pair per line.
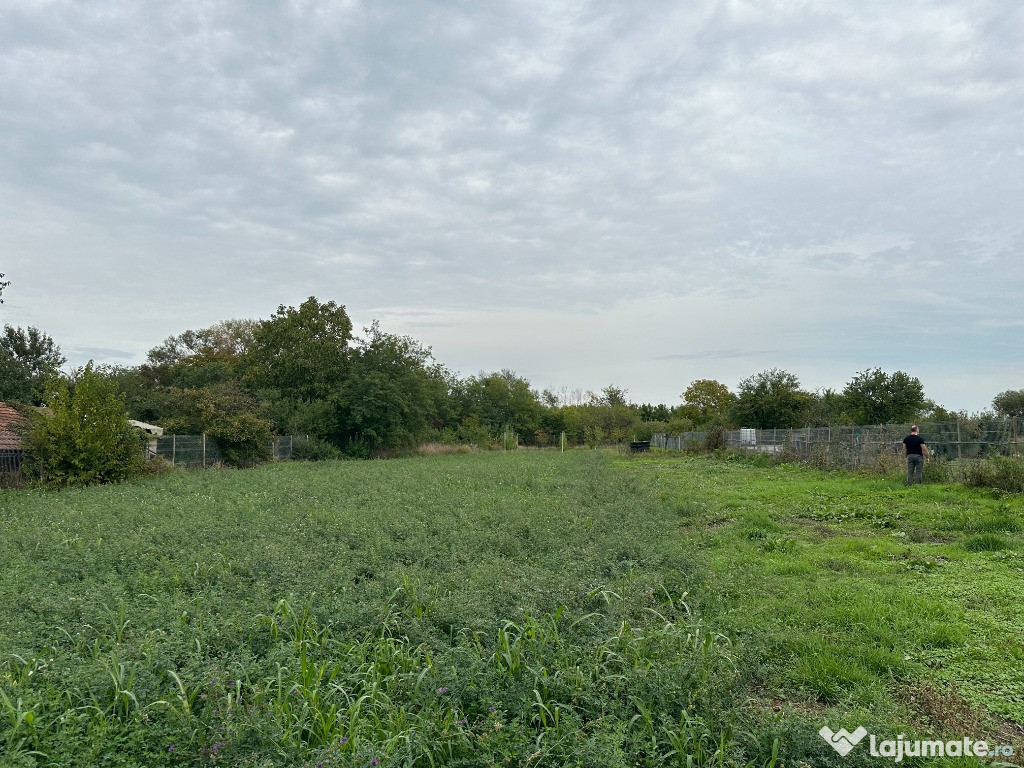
523, 608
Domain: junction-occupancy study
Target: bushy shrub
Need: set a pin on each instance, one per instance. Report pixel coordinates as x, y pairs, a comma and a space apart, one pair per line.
157, 465
937, 471
84, 437
998, 472
228, 414
314, 449
714, 439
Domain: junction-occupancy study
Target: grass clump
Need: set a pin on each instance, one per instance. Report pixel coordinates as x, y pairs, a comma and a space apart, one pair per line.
986, 542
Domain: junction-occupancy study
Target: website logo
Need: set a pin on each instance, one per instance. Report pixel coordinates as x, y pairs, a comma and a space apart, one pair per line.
843, 741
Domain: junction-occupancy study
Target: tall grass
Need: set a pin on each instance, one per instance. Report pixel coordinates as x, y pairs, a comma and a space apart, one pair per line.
452, 610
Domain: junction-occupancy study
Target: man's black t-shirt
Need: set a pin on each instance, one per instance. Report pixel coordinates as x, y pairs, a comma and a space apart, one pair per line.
913, 443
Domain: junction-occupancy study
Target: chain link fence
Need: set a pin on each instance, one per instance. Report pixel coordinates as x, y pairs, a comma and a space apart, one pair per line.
203, 451
855, 447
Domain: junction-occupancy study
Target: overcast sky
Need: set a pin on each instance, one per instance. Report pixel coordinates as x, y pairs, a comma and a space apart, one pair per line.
587, 192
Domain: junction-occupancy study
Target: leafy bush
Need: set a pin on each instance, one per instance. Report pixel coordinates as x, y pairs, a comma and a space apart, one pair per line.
937, 470
714, 439
227, 413
998, 472
85, 437
314, 449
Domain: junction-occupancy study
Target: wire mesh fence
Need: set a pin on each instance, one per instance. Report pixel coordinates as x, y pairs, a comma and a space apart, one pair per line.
855, 447
203, 451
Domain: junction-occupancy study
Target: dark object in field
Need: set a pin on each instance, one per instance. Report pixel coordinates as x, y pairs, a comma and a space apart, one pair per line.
640, 446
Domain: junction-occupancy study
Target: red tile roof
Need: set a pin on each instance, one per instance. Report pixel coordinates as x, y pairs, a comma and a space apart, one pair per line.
12, 423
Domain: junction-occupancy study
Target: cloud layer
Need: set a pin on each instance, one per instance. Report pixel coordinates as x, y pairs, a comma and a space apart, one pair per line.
586, 191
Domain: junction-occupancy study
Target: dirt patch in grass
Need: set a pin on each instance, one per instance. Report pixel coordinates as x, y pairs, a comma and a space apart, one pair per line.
924, 536
822, 530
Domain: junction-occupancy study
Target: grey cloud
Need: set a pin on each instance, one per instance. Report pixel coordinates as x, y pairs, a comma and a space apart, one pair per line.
580, 155
718, 354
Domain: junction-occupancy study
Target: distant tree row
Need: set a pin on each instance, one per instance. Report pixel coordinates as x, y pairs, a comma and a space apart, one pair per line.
304, 371
774, 399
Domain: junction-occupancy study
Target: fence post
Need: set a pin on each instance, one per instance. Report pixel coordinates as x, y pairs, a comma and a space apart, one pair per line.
174, 449
959, 453
204, 450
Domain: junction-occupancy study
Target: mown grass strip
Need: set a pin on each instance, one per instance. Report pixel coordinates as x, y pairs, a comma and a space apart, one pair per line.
858, 599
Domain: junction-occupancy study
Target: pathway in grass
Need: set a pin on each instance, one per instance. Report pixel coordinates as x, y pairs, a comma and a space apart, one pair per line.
859, 596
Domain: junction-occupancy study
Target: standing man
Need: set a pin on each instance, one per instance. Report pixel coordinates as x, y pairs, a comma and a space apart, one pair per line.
916, 453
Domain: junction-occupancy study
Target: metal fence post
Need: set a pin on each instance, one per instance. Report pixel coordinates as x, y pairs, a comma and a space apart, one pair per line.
204, 450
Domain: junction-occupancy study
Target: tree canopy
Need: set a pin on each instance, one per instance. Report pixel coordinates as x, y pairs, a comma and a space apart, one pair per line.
1009, 403
771, 399
27, 358
301, 352
875, 397
707, 401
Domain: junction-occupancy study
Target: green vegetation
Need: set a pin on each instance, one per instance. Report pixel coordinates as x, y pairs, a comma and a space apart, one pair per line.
306, 371
28, 357
522, 608
85, 436
860, 599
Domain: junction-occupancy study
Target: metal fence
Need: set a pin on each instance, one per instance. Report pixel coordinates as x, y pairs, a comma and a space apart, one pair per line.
860, 446
10, 460
203, 451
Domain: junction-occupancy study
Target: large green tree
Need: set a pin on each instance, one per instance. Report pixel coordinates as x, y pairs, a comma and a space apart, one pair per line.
826, 408
707, 402
392, 395
498, 401
302, 353
27, 358
771, 399
201, 358
876, 397
225, 412
1009, 403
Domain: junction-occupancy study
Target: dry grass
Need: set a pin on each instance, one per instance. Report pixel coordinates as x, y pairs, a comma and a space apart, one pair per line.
946, 712
437, 449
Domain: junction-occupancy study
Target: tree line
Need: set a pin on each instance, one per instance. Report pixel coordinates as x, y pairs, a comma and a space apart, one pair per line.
304, 371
